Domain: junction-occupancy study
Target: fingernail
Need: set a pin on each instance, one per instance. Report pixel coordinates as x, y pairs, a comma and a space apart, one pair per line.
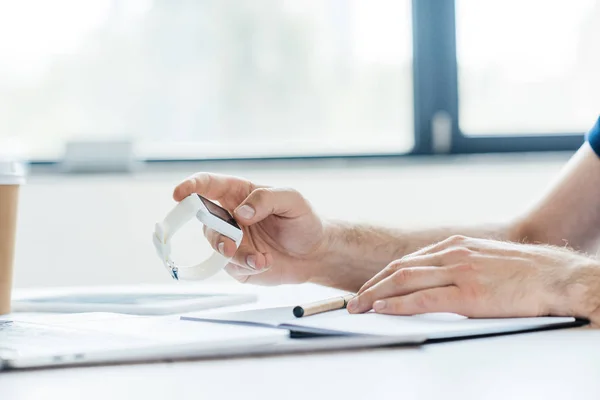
251, 261
379, 305
221, 247
352, 305
245, 212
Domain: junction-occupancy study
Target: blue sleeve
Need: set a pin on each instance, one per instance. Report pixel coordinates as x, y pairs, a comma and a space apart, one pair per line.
593, 137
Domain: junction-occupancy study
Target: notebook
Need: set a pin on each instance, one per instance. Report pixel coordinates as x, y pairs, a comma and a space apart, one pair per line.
340, 322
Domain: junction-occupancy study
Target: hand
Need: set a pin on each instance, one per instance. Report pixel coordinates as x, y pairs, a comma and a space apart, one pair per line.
485, 278
283, 236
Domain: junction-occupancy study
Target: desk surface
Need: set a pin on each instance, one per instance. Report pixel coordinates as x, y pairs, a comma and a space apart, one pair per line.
550, 365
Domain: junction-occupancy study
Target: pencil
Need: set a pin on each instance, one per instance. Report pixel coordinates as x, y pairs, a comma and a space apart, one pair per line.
334, 303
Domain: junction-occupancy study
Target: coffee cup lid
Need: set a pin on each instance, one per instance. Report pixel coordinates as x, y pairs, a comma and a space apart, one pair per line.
12, 172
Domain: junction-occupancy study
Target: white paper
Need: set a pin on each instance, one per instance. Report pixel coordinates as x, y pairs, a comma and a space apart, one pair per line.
267, 317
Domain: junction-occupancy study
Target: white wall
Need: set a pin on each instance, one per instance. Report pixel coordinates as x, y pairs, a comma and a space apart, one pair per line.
96, 229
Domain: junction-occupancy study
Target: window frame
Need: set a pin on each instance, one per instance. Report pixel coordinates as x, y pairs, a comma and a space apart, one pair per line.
437, 44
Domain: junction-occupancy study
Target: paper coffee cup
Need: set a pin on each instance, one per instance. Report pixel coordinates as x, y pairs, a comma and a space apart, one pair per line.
12, 176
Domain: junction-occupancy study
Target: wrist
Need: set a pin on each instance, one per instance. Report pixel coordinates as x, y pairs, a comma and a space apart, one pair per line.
327, 256
581, 295
352, 254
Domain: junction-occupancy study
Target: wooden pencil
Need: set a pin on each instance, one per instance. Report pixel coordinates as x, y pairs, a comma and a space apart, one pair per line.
334, 303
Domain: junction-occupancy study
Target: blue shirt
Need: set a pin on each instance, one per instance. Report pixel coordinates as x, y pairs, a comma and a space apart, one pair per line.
593, 137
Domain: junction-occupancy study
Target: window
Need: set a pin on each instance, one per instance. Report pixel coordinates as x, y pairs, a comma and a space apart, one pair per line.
286, 78
528, 67
208, 78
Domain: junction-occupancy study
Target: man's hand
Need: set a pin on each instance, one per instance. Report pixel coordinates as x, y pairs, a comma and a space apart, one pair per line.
283, 236
485, 278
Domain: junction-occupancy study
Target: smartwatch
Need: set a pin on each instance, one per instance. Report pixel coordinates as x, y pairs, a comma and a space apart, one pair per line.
210, 215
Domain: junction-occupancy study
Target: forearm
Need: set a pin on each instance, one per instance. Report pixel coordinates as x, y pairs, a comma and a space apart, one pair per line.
568, 214
355, 253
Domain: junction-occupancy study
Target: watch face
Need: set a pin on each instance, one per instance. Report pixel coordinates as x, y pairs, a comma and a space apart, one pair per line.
219, 212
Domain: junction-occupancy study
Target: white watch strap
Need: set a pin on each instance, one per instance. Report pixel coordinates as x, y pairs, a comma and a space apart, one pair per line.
179, 216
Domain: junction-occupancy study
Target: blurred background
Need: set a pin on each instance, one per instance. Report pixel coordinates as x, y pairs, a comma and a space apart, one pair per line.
400, 112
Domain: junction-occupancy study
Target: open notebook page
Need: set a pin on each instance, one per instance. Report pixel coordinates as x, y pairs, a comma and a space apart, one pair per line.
340, 322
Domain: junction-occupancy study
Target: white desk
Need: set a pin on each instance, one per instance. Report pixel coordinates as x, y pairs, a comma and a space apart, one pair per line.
558, 364
546, 365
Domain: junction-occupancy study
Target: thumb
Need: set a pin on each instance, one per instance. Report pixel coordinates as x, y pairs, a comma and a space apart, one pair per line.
263, 202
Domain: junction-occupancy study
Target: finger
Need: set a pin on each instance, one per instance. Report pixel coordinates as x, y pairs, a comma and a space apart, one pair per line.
249, 257
245, 256
428, 260
263, 202
244, 275
401, 283
211, 186
220, 243
239, 273
441, 299
445, 257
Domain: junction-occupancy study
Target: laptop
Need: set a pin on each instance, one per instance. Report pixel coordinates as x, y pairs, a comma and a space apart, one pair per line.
112, 338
